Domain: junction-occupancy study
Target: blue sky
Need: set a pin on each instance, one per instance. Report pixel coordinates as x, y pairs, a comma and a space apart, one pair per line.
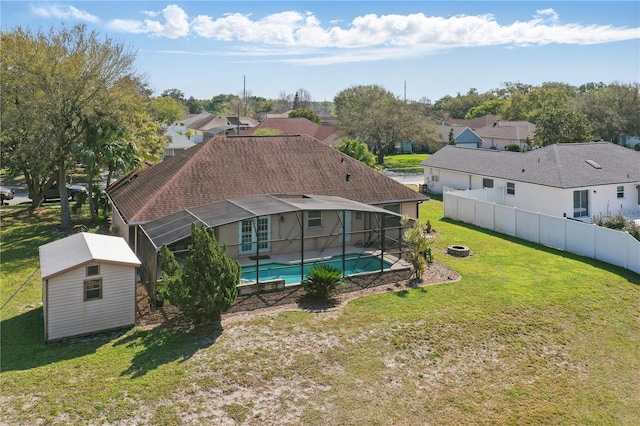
436, 48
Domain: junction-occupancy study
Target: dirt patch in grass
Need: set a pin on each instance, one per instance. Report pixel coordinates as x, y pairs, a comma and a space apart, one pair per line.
293, 298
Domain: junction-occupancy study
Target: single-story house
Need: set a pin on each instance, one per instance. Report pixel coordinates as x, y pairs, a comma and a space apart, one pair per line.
464, 137
265, 196
576, 180
179, 141
210, 125
501, 134
88, 285
324, 132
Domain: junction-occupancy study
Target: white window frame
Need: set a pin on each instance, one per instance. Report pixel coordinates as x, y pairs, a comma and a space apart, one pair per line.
581, 205
259, 233
511, 188
620, 191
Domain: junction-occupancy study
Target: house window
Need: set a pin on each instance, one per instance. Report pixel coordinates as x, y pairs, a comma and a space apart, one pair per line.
315, 219
580, 203
93, 270
620, 192
93, 289
255, 234
511, 188
487, 183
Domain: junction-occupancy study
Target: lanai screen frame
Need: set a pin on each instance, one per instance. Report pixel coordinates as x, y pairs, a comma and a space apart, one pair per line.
176, 227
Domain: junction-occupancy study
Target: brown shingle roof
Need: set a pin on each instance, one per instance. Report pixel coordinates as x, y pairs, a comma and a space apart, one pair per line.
230, 167
298, 126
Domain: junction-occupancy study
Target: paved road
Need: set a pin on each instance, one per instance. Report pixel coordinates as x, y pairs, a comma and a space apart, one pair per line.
21, 196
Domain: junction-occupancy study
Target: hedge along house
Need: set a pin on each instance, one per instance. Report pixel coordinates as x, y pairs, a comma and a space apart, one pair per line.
88, 285
264, 196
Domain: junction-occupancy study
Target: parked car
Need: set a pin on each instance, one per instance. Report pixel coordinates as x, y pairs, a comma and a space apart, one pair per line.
6, 193
73, 191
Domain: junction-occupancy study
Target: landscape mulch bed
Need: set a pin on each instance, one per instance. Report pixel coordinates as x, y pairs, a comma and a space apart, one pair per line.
293, 298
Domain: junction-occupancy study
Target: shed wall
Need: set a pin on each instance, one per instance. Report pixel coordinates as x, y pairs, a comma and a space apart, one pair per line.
68, 314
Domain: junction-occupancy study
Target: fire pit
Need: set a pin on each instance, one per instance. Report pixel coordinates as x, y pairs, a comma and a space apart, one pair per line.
458, 251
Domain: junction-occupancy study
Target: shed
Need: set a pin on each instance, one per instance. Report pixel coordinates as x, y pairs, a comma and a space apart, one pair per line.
88, 285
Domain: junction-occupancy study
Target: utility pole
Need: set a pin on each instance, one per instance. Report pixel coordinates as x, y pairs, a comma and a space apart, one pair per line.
405, 91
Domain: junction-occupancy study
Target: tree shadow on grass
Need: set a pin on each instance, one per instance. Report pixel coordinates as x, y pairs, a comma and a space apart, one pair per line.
165, 345
313, 304
22, 345
627, 274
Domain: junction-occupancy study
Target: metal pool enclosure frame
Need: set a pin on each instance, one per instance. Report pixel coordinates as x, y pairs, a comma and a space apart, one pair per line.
382, 229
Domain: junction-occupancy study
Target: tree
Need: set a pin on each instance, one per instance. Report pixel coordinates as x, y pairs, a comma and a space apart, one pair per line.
206, 286
561, 126
166, 110
194, 105
377, 117
419, 241
614, 110
358, 150
176, 94
63, 78
452, 140
296, 101
284, 101
322, 282
305, 113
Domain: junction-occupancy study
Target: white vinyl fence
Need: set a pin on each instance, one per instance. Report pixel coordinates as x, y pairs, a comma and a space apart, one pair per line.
479, 207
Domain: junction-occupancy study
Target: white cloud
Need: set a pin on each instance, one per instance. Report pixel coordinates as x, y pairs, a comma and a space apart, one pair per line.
175, 25
547, 13
388, 36
408, 31
63, 12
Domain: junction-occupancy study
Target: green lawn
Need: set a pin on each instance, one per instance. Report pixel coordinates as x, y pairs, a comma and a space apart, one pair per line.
529, 335
405, 162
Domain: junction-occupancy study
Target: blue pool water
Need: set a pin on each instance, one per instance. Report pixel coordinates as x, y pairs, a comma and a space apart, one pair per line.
354, 264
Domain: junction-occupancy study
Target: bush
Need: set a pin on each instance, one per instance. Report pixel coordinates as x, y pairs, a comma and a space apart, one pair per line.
618, 222
322, 281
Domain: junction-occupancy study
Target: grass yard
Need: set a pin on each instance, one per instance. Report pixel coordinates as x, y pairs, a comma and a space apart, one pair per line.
406, 163
529, 335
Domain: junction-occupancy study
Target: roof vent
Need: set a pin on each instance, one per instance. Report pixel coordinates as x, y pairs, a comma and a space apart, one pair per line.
593, 164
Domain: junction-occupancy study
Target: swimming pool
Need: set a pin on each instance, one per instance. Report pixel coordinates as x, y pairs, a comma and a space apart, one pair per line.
354, 264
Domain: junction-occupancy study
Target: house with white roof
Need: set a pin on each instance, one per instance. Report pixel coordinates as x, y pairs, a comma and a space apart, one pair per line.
578, 180
88, 285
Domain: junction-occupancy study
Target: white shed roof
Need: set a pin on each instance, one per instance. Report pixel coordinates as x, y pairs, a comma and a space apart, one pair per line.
83, 248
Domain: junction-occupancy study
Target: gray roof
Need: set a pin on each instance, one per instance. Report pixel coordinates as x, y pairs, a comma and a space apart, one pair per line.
177, 226
178, 140
558, 165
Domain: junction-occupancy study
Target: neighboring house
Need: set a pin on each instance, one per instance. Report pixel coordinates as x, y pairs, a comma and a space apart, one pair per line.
501, 134
266, 195
179, 141
474, 123
211, 125
576, 180
464, 137
88, 285
325, 133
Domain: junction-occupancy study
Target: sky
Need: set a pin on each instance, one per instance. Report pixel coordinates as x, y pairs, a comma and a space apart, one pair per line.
415, 49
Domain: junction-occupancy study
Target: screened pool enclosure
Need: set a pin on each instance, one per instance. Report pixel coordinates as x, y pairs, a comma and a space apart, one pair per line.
292, 231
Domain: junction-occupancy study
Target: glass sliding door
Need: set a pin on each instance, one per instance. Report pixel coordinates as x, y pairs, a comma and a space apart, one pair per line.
581, 203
